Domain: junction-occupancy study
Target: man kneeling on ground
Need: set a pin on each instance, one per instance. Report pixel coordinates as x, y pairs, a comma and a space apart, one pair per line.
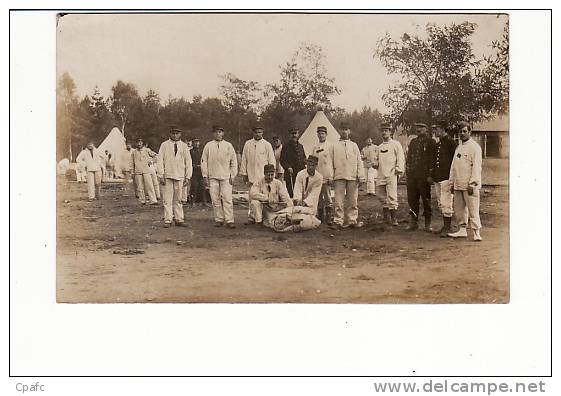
266, 197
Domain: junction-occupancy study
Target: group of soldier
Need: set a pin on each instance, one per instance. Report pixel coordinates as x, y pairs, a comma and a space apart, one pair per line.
280, 176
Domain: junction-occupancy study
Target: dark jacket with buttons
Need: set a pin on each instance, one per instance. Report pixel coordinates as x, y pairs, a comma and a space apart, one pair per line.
445, 149
421, 157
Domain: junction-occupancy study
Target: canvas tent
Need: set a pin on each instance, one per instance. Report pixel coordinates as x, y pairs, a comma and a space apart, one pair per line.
115, 144
310, 138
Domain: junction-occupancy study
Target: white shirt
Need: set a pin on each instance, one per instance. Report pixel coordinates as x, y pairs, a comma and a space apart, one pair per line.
91, 162
277, 151
390, 158
466, 166
324, 152
273, 192
219, 161
174, 166
307, 188
369, 154
256, 154
347, 162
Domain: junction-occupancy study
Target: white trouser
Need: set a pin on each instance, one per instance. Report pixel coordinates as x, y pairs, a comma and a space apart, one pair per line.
444, 198
171, 197
94, 184
467, 206
156, 185
371, 175
346, 202
259, 212
221, 196
144, 187
387, 193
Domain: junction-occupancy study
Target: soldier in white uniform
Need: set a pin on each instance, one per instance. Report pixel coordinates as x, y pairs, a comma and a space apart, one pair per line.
140, 166
324, 152
277, 149
465, 183
348, 173
219, 167
308, 185
390, 161
91, 159
368, 154
267, 196
174, 171
124, 162
257, 153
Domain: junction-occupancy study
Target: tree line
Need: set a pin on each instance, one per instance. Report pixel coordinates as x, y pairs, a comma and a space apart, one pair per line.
439, 79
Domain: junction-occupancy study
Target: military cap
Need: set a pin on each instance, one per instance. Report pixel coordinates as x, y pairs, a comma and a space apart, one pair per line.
420, 124
462, 124
217, 128
173, 128
293, 128
345, 125
196, 139
257, 126
322, 129
269, 168
385, 125
438, 124
313, 158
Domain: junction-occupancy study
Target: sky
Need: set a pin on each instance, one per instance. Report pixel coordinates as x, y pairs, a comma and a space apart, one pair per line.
184, 54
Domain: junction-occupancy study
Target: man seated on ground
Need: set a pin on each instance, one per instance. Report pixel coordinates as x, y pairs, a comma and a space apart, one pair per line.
267, 196
308, 184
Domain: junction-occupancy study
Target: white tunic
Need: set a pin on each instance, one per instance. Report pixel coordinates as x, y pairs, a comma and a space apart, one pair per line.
91, 162
466, 166
370, 155
324, 152
219, 161
273, 192
347, 162
390, 159
174, 166
307, 188
256, 154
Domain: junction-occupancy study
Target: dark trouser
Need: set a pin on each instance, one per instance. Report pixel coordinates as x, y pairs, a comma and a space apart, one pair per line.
290, 179
198, 193
419, 187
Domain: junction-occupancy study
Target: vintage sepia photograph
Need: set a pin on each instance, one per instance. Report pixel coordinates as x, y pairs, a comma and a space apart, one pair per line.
282, 158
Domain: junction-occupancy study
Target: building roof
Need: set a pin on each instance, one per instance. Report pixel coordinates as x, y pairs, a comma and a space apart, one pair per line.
499, 123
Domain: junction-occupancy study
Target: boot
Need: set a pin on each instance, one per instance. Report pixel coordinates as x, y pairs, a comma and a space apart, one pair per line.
328, 215
477, 236
393, 218
446, 228
461, 233
427, 223
412, 222
386, 215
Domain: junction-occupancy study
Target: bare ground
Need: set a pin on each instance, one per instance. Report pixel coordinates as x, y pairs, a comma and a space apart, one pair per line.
115, 250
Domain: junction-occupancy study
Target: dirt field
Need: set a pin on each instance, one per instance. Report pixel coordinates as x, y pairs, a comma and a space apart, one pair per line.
249, 264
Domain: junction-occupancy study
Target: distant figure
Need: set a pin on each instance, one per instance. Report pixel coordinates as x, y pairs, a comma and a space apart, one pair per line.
369, 154
219, 167
277, 148
257, 153
174, 171
292, 159
324, 151
81, 174
110, 166
267, 196
91, 159
465, 183
197, 190
125, 163
62, 166
140, 166
153, 173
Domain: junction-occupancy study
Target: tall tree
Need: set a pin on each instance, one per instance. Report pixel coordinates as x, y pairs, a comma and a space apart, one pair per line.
125, 104
102, 119
242, 101
67, 101
438, 75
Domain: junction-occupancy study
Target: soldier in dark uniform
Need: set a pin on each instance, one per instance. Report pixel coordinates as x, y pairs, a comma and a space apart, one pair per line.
198, 192
292, 159
420, 164
445, 148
